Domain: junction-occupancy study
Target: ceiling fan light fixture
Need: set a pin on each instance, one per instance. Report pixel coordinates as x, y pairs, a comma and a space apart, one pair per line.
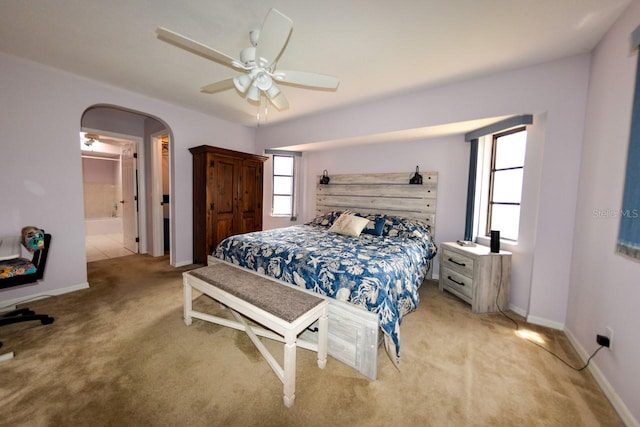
263, 81
253, 93
242, 82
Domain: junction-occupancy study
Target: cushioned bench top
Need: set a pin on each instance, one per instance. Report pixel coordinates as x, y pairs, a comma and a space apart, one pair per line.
282, 301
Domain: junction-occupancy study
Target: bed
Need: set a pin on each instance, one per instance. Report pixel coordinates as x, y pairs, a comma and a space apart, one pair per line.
371, 276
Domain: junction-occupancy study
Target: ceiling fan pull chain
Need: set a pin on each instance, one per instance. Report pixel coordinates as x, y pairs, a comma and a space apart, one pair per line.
266, 111
258, 113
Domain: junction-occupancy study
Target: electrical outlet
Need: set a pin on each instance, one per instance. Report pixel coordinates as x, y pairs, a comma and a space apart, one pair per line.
602, 340
609, 333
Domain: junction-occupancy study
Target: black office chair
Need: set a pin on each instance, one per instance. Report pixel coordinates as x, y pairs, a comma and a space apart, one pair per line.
24, 314
39, 261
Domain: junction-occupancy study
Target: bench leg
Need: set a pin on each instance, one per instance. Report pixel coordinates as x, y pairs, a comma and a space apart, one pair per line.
323, 332
6, 356
187, 303
289, 379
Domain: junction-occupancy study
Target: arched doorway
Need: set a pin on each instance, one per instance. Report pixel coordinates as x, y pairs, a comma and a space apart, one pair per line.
131, 137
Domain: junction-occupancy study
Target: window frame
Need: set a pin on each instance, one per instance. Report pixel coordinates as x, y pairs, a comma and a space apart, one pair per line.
492, 170
291, 213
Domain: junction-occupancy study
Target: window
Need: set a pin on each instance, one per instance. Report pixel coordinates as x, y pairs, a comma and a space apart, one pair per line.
496, 172
629, 233
505, 188
283, 185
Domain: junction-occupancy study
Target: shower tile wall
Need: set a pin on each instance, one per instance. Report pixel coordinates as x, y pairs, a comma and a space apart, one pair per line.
100, 200
102, 188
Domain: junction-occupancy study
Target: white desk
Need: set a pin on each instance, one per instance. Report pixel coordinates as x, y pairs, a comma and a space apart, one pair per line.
10, 247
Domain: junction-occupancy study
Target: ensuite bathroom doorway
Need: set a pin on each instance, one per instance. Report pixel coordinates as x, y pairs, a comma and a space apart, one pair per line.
138, 203
109, 180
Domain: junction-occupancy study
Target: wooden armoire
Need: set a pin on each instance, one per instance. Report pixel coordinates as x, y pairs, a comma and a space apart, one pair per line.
227, 196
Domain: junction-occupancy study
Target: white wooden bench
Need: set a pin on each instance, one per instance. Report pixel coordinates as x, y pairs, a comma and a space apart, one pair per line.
284, 311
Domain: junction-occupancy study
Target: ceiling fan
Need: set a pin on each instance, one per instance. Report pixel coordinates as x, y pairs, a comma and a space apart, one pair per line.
89, 139
258, 62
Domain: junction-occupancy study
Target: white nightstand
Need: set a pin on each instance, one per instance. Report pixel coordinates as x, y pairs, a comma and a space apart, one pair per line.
476, 275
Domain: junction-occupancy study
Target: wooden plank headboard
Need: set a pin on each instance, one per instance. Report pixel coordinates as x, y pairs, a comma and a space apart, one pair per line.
386, 193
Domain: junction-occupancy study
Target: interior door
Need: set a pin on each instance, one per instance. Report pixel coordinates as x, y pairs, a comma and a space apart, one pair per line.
129, 198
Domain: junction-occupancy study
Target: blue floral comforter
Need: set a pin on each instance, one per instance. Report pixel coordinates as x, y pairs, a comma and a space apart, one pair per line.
381, 273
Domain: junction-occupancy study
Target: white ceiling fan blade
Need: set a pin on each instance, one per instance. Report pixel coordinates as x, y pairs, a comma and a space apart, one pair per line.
303, 78
280, 101
218, 86
197, 48
273, 37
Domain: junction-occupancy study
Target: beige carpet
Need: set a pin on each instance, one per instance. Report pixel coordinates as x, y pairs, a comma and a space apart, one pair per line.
119, 354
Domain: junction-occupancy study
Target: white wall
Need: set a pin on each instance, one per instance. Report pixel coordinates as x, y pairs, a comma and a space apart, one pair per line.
447, 155
40, 164
605, 287
555, 92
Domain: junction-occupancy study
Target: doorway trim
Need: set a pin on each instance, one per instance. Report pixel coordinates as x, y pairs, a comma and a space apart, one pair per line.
157, 207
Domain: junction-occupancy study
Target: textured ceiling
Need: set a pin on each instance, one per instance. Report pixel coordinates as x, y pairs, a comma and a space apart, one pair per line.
377, 49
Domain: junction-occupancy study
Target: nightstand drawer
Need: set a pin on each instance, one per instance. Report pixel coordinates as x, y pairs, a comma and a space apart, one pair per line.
457, 282
459, 263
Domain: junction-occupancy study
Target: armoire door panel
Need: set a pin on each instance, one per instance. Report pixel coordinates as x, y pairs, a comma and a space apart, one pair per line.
249, 186
225, 186
251, 189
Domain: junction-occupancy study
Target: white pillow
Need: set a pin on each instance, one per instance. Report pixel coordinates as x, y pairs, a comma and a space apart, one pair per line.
349, 225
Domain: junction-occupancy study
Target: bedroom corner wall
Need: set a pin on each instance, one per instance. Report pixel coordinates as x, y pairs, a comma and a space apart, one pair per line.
605, 287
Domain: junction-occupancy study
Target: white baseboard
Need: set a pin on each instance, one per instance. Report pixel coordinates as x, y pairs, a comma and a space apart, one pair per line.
46, 294
545, 322
518, 310
606, 387
183, 263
